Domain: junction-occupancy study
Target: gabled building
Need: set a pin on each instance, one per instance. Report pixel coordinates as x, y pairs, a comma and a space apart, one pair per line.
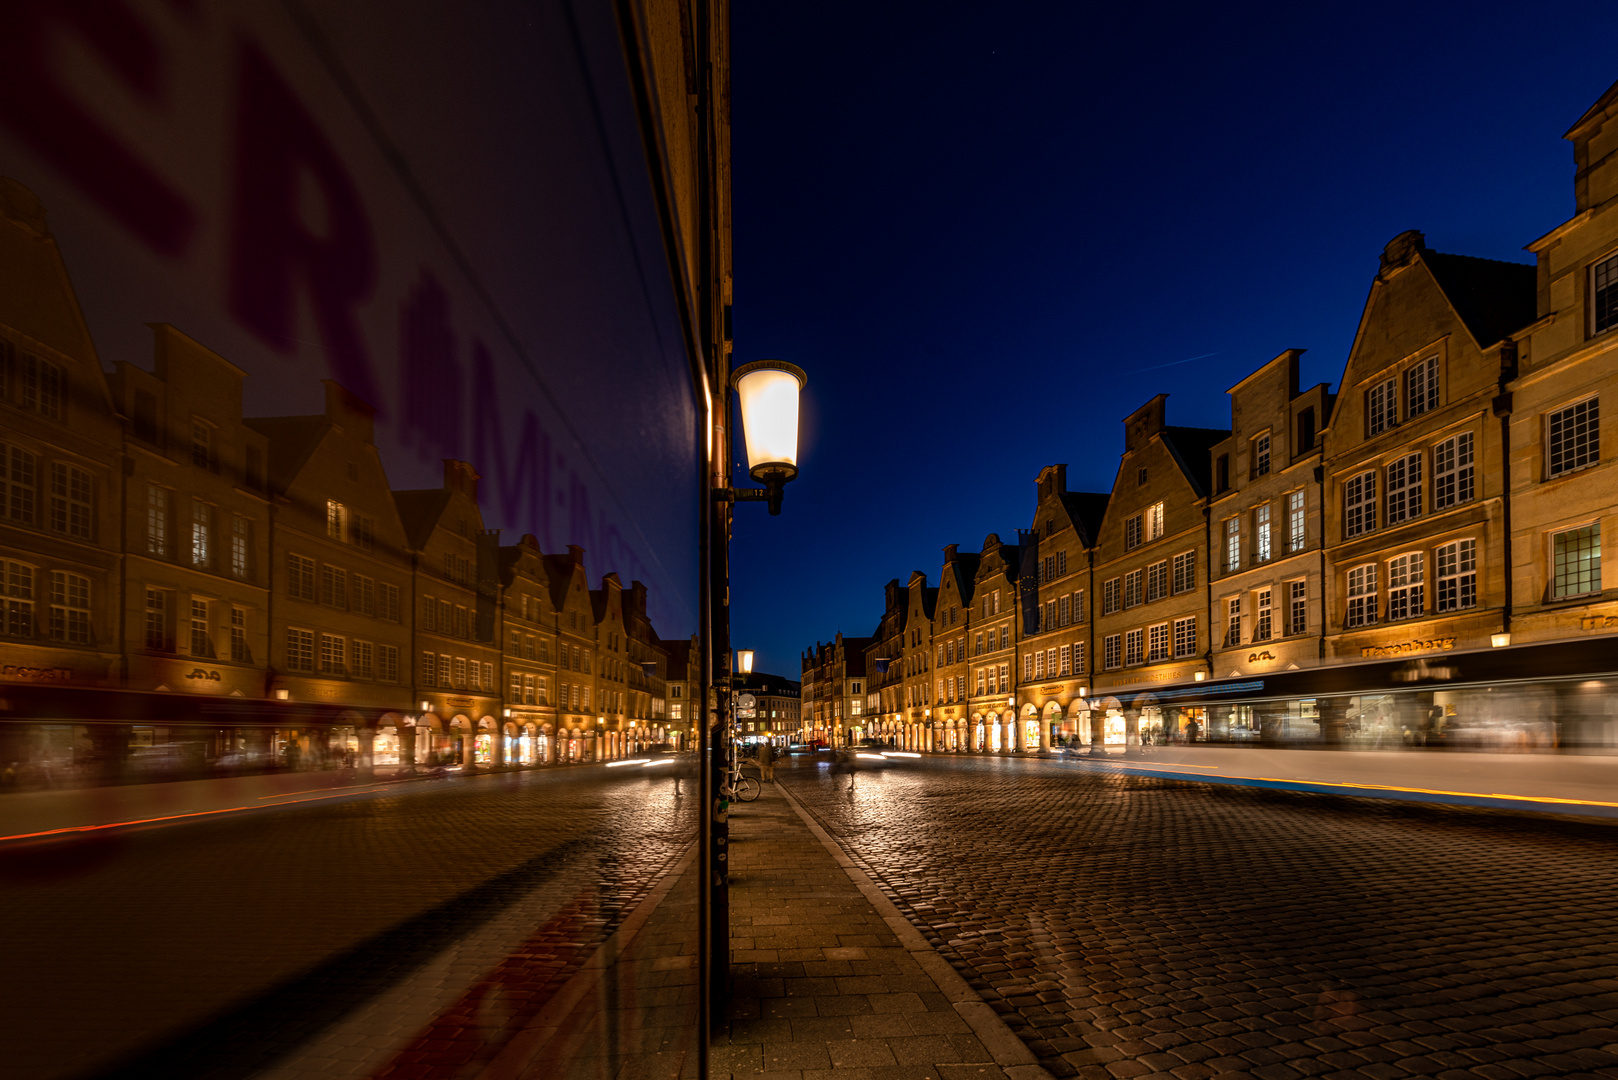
994, 647
339, 625
528, 651
1267, 506
1415, 524
767, 708
1151, 571
578, 729
1057, 578
921, 600
952, 630
679, 679
836, 669
646, 675
612, 648
60, 488
884, 667
196, 525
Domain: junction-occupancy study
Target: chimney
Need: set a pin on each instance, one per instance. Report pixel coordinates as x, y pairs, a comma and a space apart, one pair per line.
460, 476
575, 554
949, 553
345, 409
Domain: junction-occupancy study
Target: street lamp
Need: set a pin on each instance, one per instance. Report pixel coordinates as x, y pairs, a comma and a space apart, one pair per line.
744, 661
769, 392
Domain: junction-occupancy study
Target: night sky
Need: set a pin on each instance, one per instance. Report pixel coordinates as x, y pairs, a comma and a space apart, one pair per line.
990, 231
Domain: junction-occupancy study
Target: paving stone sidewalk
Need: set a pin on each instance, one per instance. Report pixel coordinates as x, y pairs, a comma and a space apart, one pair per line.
830, 981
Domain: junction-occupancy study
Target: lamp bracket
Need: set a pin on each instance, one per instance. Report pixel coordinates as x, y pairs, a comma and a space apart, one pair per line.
770, 495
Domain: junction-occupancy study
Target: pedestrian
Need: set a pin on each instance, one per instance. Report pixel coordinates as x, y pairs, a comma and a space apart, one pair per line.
1192, 730
766, 762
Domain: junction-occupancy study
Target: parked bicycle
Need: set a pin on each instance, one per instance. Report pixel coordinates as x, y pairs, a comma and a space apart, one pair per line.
744, 787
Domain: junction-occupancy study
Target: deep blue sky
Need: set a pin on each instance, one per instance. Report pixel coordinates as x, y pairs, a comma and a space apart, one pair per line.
979, 227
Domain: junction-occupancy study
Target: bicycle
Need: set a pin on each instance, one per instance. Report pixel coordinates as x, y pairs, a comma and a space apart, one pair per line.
745, 788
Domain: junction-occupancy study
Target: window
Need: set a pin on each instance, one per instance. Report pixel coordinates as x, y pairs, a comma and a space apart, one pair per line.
1404, 489
201, 642
1362, 595
70, 608
996, 601
1140, 476
1604, 289
1262, 627
157, 622
362, 594
387, 663
1157, 580
201, 534
1132, 533
16, 599
364, 660
19, 484
1111, 654
1405, 581
1132, 589
1306, 430
1039, 664
300, 577
1061, 563
44, 388
239, 651
1005, 636
336, 520
1078, 606
429, 665
157, 520
1154, 521
1381, 407
1297, 607
1005, 678
362, 532
1576, 562
1110, 595
980, 682
977, 645
1452, 471
1359, 504
241, 547
1134, 646
1050, 615
1222, 473
333, 586
1233, 622
1078, 660
444, 670
1064, 610
1261, 534
1158, 647
1185, 571
1421, 387
300, 650
1066, 660
332, 655
1573, 435
460, 671
1457, 576
70, 500
1185, 637
388, 602
1233, 543
1295, 534
1261, 455
202, 448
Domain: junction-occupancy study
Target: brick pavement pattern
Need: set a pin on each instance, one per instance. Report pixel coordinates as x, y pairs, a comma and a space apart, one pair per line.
824, 989
1126, 926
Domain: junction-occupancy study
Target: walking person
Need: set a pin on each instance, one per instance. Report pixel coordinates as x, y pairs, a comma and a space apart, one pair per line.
766, 762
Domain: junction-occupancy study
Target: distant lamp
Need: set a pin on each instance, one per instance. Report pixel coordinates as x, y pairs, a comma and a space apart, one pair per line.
508, 714
744, 661
282, 694
1500, 641
769, 392
1199, 676
426, 706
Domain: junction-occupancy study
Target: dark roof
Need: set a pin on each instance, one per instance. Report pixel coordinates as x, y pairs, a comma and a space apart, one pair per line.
1494, 299
420, 511
679, 658
1600, 107
1086, 508
292, 440
965, 569
1192, 447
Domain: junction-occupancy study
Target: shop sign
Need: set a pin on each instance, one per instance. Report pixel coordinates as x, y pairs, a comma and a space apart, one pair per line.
1150, 676
458, 702
1599, 622
37, 674
1430, 645
1254, 658
1057, 689
203, 674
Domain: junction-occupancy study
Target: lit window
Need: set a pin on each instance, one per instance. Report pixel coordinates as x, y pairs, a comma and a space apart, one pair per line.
1404, 489
1452, 471
1261, 534
1078, 660
1066, 660
1421, 387
1154, 521
336, 520
1233, 543
157, 520
1574, 438
201, 534
1457, 576
1362, 595
1576, 562
241, 546
1405, 580
1295, 534
1359, 504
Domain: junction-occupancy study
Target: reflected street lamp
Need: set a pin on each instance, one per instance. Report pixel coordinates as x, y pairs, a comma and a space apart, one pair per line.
768, 391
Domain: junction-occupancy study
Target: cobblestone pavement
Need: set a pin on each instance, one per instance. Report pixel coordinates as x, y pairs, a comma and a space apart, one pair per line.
222, 946
1127, 926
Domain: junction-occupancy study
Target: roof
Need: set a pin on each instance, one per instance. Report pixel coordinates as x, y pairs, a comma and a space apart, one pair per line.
1494, 299
679, 659
1086, 509
419, 511
1192, 448
292, 440
1603, 103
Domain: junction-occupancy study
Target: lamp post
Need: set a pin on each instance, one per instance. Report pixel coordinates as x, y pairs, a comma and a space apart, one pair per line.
768, 392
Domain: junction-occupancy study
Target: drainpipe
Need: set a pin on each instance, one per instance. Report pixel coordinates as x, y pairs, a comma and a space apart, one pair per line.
1325, 582
1502, 409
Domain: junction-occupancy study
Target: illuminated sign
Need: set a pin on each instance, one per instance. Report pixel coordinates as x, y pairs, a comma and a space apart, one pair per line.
37, 674
1430, 645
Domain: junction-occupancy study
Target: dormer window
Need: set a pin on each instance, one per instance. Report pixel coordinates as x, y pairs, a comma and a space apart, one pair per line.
1381, 407
1261, 455
1421, 387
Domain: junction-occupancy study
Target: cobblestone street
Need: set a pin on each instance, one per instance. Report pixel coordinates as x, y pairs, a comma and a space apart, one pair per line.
1127, 926
225, 945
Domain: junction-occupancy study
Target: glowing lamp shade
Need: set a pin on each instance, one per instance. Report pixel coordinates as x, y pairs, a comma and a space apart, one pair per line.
744, 661
769, 391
